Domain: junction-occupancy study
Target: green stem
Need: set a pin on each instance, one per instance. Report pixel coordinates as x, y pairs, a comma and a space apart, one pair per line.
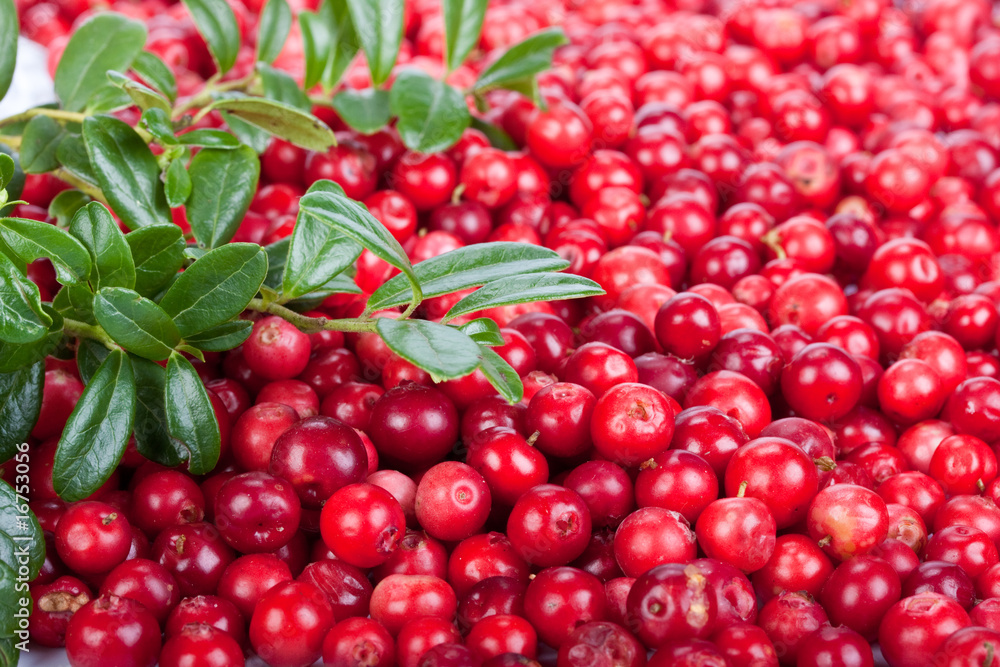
310, 324
57, 114
63, 175
83, 330
204, 98
13, 142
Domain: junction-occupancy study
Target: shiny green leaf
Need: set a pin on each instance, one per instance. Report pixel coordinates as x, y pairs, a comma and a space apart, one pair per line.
156, 74
216, 288
31, 240
110, 255
501, 375
442, 351
223, 183
65, 205
152, 433
209, 138
522, 61
484, 331
283, 121
105, 41
217, 24
97, 431
158, 253
8, 44
432, 114
190, 416
127, 171
526, 289
39, 143
17, 521
222, 337
272, 30
20, 401
281, 87
379, 27
22, 319
366, 111
177, 184
317, 253
136, 323
463, 21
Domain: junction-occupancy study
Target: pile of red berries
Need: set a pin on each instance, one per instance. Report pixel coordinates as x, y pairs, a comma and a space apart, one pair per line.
773, 440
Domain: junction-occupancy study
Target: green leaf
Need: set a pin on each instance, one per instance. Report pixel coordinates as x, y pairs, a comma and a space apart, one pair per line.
143, 96
217, 24
277, 258
158, 253
272, 30
283, 121
190, 416
22, 319
522, 61
18, 522
365, 110
352, 219
281, 87
463, 21
72, 155
209, 138
97, 431
466, 267
156, 74
252, 136
484, 331
89, 356
11, 600
76, 302
20, 401
317, 253
177, 184
444, 352
16, 357
222, 337
223, 183
9, 652
326, 185
39, 143
379, 27
501, 375
525, 289
136, 323
111, 258
498, 138
315, 45
107, 99
432, 114
7, 167
31, 240
216, 288
65, 205
152, 434
127, 171
157, 123
8, 44
343, 39
103, 42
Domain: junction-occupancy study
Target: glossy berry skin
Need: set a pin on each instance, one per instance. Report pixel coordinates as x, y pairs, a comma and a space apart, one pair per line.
482, 557
257, 512
53, 606
249, 577
778, 473
507, 462
745, 644
346, 587
276, 350
822, 382
687, 326
401, 597
797, 564
419, 635
560, 599
93, 537
362, 524
652, 536
963, 464
850, 519
211, 610
196, 555
289, 624
788, 619
358, 641
671, 602
453, 501
561, 414
146, 582
166, 498
607, 490
859, 592
112, 631
631, 423
736, 396
910, 391
598, 367
677, 480
318, 456
413, 424
549, 525
256, 431
201, 645
835, 646
916, 627
738, 531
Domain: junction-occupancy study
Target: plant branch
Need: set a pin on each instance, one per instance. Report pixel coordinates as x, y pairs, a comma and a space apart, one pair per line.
63, 175
310, 324
57, 114
11, 141
204, 98
79, 329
